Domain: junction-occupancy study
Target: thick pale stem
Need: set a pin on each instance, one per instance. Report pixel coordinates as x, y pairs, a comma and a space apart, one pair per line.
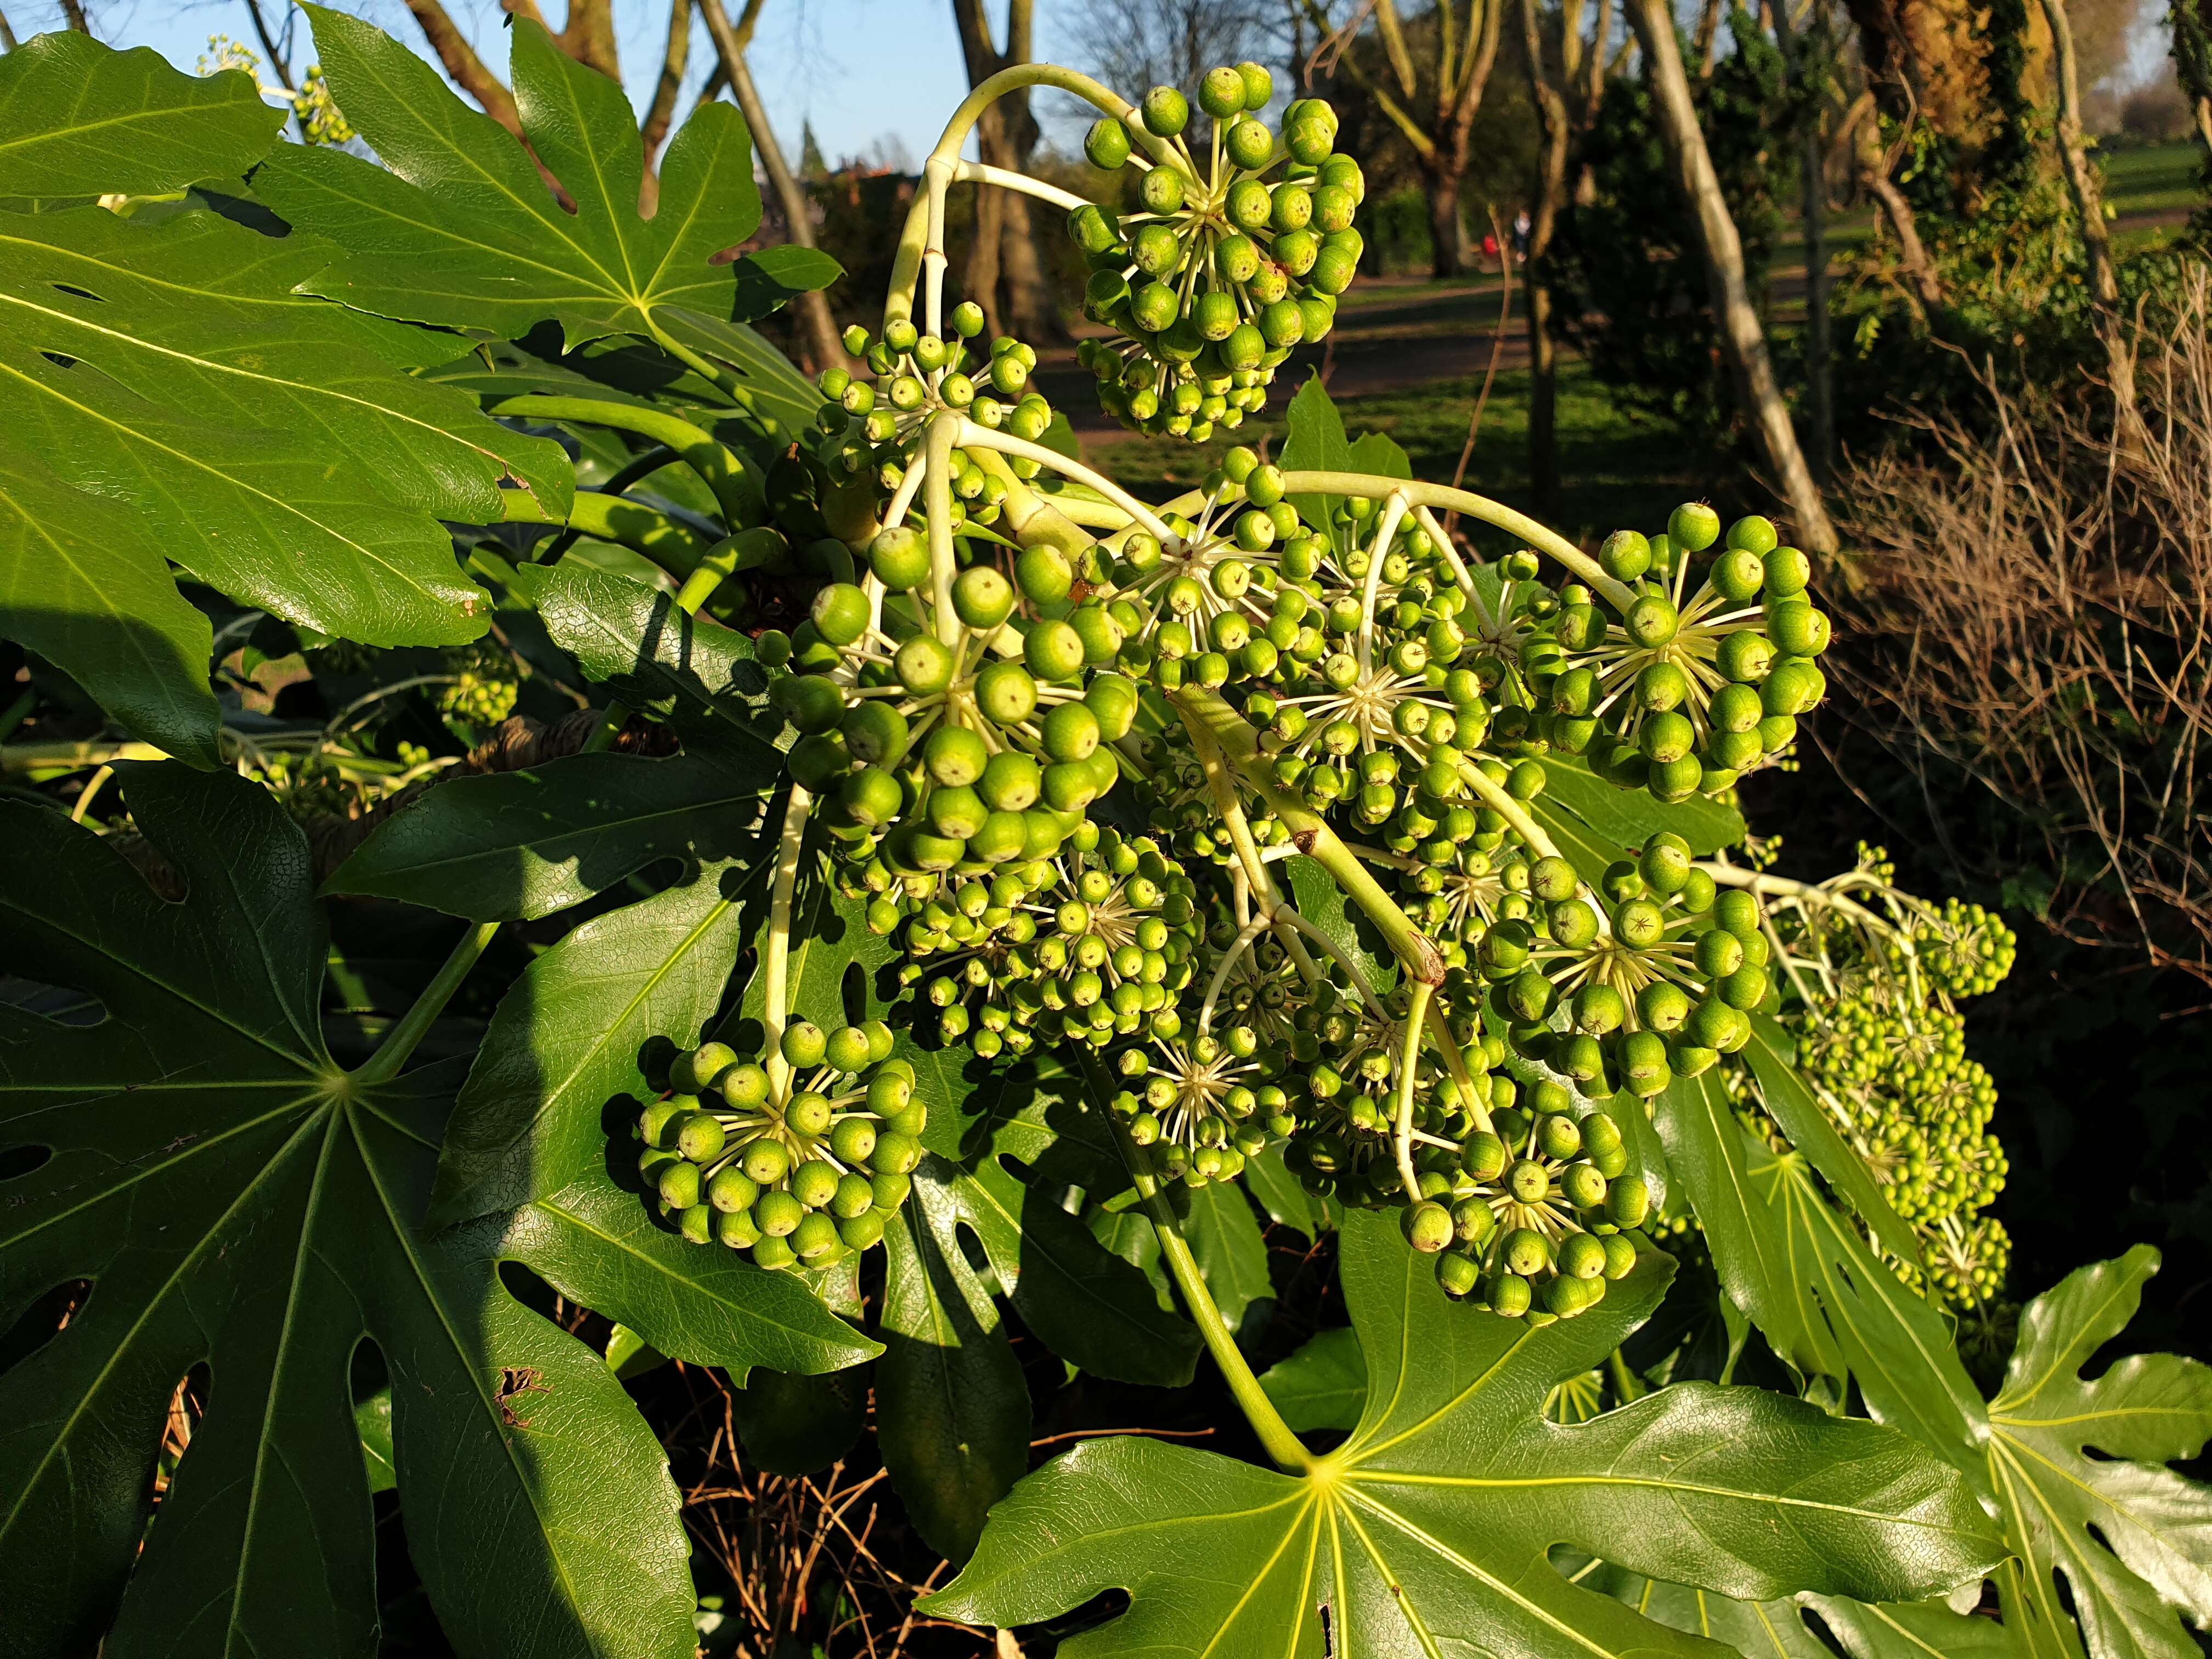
1417, 1014
1417, 494
937, 494
399, 1042
973, 436
721, 470
775, 960
978, 173
1394, 514
1495, 797
1223, 789
1206, 710
1267, 1422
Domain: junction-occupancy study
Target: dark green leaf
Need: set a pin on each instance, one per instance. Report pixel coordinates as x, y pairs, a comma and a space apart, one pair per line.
1807, 1278
1314, 442
1089, 1307
1628, 818
84, 584
2132, 1539
1914, 1630
1756, 1630
1322, 902
526, 844
462, 232
1323, 1385
1429, 1530
794, 1426
79, 118
830, 937
648, 652
234, 1198
1813, 1133
952, 1409
1232, 1257
1282, 1195
565, 1054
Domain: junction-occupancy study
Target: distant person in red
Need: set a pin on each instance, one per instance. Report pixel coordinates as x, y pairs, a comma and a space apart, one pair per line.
1490, 249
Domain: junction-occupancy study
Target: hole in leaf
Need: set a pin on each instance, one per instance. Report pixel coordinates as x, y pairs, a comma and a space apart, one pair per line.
62, 1004
60, 360
188, 1405
855, 994
42, 1321
16, 1162
80, 293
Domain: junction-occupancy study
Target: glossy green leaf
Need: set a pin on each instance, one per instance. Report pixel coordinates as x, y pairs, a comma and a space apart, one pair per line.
1755, 1630
80, 118
1282, 1196
952, 1409
2131, 1538
1089, 1307
1323, 1385
1625, 819
1915, 1629
565, 1058
84, 584
831, 946
1232, 1257
234, 1198
1813, 1133
1318, 898
652, 655
1430, 1529
527, 844
1799, 1268
458, 229
1314, 442
372, 1418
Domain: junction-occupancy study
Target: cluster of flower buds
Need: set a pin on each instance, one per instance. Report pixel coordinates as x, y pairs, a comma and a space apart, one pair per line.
797, 1163
1226, 263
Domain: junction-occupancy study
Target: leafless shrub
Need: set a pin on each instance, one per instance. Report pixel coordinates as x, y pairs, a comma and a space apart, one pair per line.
2036, 611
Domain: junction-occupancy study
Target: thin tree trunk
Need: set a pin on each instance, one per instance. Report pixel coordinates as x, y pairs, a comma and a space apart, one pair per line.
1029, 296
283, 69
660, 114
1743, 343
1551, 188
74, 12
816, 326
1447, 232
1874, 180
2087, 188
1706, 44
1804, 59
1006, 274
7, 35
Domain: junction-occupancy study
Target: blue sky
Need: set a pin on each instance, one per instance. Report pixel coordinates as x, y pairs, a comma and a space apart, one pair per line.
861, 69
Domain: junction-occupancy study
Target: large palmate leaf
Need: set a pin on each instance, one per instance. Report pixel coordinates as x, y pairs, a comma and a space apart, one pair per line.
459, 227
526, 844
2079, 1468
952, 1405
79, 118
1798, 1267
1918, 1630
233, 1199
271, 443
1430, 1529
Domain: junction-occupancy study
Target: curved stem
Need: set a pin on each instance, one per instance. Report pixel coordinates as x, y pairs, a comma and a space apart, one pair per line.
672, 546
973, 436
399, 1042
1223, 789
979, 173
1418, 494
717, 467
1495, 797
1267, 1422
1417, 1014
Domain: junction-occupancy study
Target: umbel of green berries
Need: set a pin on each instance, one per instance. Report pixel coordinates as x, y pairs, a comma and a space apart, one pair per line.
871, 428
801, 1163
1231, 257
484, 684
964, 742
1680, 695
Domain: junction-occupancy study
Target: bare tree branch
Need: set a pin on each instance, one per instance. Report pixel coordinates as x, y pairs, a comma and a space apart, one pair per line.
277, 61
661, 111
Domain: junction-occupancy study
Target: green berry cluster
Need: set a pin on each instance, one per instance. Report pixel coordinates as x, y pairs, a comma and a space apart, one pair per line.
1227, 262
1968, 1264
1204, 1104
944, 738
485, 686
1964, 950
1091, 946
870, 429
1678, 694
800, 1162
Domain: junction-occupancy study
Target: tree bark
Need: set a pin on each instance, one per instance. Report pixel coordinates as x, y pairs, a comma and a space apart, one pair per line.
1006, 275
2086, 186
1447, 230
277, 62
1706, 43
73, 12
1874, 180
1551, 189
1804, 59
660, 114
463, 67
1743, 343
817, 328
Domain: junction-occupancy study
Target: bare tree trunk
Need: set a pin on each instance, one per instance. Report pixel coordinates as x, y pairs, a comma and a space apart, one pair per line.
1706, 42
817, 327
2087, 188
463, 67
983, 261
1006, 275
1874, 180
1742, 342
660, 114
1029, 296
1551, 189
1447, 230
276, 60
1805, 59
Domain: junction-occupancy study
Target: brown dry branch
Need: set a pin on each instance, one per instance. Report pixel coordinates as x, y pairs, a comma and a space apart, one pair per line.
2037, 615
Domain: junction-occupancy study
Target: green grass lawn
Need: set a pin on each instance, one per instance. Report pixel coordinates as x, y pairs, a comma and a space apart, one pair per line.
1621, 468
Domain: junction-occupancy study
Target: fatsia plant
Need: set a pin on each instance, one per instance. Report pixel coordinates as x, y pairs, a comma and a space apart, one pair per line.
654, 858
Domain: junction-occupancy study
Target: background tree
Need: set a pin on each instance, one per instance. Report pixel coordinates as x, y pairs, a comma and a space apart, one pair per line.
1430, 91
1172, 43
1005, 275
